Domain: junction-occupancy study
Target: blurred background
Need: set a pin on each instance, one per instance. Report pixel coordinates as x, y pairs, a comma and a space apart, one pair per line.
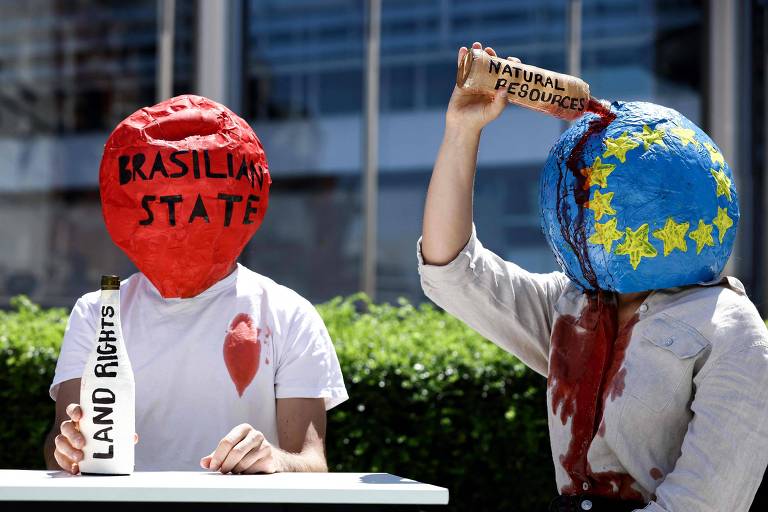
301, 72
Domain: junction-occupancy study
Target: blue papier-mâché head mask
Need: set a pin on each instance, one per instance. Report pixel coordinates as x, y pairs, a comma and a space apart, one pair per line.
638, 202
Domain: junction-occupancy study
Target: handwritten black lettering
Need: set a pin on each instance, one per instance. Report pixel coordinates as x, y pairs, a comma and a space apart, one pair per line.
250, 209
137, 161
145, 205
183, 169
124, 173
199, 211
208, 172
230, 199
171, 202
158, 166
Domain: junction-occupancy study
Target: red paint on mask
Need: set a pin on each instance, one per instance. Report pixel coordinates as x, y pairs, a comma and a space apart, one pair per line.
184, 185
585, 361
242, 350
572, 224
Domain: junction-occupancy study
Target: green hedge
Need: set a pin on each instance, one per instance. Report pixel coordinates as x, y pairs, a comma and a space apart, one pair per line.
30, 338
430, 399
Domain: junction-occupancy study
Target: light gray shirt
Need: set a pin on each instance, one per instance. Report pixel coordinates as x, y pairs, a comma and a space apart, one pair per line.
688, 430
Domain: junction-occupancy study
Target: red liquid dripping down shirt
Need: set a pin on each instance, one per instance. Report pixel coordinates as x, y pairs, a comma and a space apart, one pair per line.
587, 353
585, 372
572, 226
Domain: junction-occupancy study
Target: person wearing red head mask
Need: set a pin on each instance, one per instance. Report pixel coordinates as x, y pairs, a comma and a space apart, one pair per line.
217, 349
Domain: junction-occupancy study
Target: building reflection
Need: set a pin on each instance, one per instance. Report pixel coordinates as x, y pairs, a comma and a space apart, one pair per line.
71, 70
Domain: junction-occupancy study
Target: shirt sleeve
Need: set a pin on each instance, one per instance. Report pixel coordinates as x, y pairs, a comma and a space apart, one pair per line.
510, 306
76, 346
725, 450
307, 365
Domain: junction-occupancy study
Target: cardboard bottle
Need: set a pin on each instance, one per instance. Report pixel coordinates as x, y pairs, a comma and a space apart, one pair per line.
563, 96
108, 393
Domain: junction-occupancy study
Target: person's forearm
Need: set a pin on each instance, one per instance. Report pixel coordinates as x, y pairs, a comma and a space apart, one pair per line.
308, 461
48, 449
448, 209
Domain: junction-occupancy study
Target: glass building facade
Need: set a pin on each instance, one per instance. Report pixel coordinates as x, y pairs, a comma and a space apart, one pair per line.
71, 70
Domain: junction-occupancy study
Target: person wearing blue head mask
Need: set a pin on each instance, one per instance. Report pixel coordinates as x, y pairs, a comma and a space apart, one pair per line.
656, 363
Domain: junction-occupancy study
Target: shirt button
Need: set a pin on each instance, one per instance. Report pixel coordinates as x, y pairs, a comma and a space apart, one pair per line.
668, 342
586, 505
643, 308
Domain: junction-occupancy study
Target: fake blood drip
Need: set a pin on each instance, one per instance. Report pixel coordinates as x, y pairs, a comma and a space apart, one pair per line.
572, 227
242, 350
587, 353
586, 371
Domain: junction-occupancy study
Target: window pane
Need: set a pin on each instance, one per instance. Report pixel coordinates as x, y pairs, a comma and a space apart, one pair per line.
418, 76
646, 51
70, 70
71, 66
304, 95
304, 58
631, 50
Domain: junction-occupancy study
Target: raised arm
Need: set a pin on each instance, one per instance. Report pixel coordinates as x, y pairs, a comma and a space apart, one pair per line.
448, 209
503, 302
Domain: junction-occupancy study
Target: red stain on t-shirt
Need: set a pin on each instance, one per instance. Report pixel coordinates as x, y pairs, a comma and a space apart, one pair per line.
656, 474
585, 371
242, 349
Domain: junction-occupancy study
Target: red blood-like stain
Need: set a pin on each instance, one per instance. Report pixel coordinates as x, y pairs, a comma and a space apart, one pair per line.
587, 173
599, 108
585, 371
587, 353
601, 429
615, 373
242, 349
616, 485
572, 226
656, 474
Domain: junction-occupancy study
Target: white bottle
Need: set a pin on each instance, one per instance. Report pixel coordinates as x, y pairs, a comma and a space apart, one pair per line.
108, 393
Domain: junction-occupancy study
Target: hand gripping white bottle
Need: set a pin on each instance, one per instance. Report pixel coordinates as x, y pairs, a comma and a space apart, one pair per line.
108, 393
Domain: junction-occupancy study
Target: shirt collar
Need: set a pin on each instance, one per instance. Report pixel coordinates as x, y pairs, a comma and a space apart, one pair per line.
219, 286
663, 295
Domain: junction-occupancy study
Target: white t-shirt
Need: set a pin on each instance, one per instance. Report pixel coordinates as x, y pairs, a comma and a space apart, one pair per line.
186, 397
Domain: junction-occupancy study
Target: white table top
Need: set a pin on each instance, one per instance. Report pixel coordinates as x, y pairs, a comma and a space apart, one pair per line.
192, 486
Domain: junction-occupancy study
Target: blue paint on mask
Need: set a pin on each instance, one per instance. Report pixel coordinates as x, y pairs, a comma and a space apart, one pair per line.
649, 204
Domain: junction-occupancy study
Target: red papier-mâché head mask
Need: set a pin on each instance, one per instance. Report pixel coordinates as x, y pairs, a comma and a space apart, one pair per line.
184, 185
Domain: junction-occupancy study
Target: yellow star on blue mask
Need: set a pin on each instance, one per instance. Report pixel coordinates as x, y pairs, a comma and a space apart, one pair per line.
637, 246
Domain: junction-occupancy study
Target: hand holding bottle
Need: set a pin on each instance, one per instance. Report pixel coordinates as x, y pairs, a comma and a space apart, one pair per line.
70, 441
484, 74
470, 110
